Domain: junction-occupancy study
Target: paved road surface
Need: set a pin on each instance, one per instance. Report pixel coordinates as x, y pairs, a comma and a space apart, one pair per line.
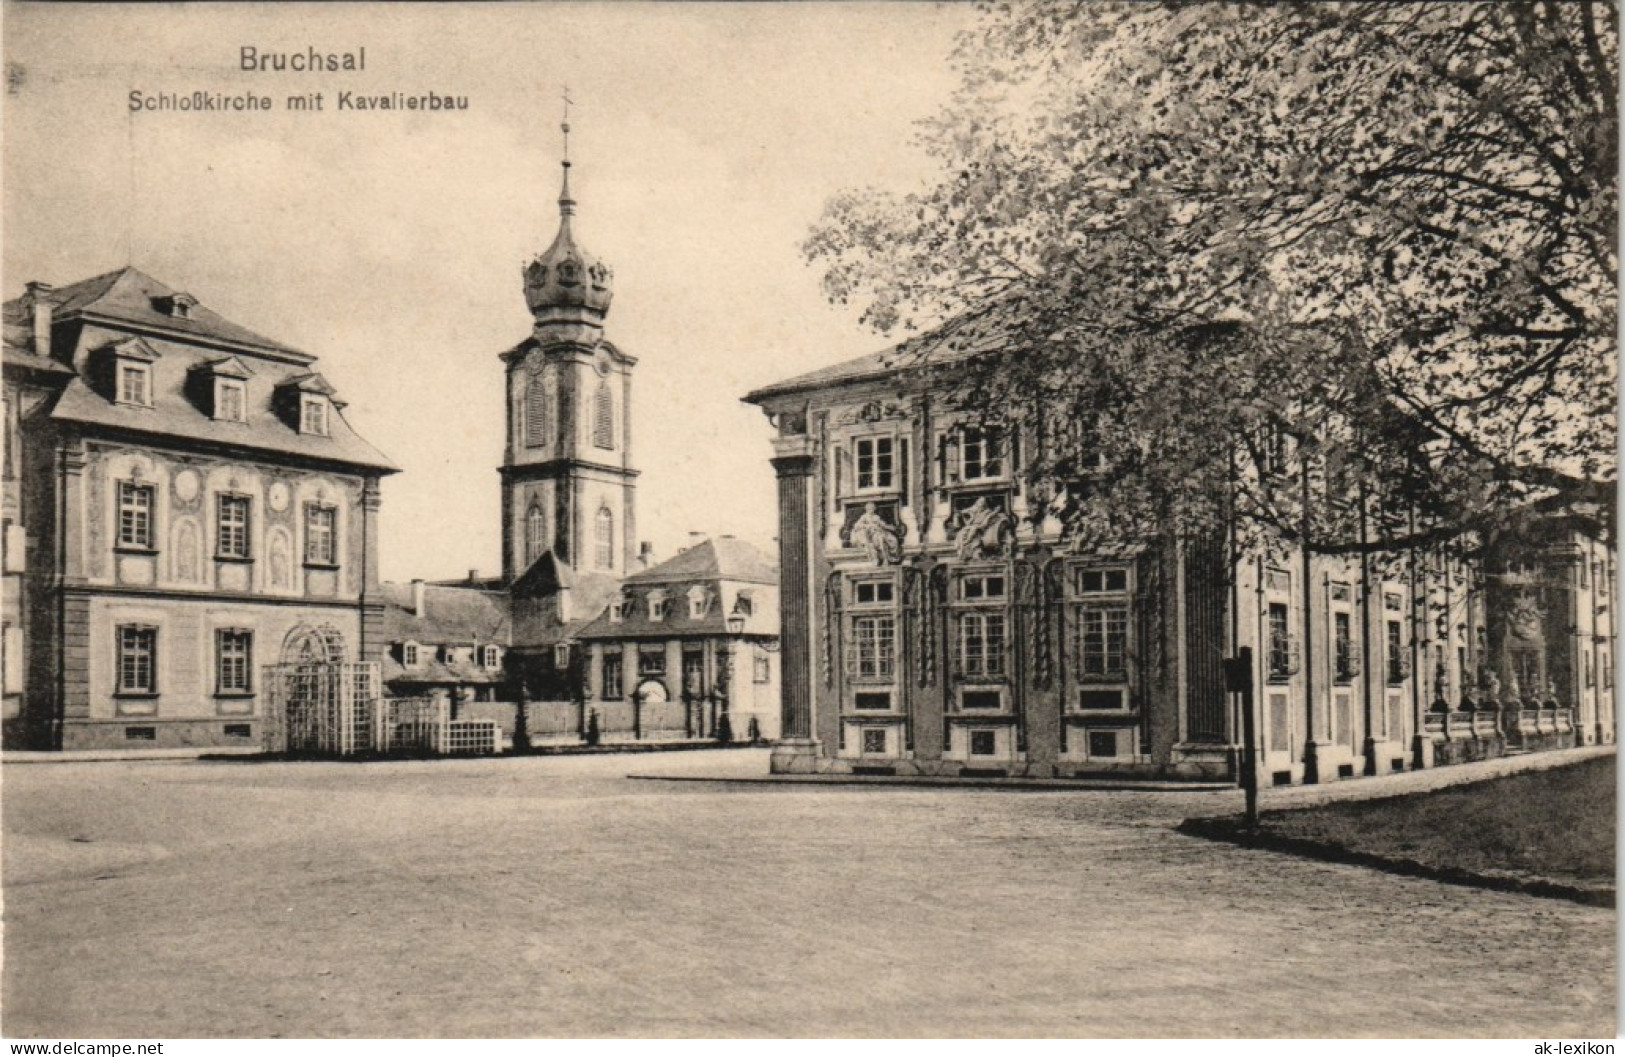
555, 897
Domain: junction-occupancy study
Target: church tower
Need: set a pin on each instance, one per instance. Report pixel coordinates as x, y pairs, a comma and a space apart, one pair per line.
567, 476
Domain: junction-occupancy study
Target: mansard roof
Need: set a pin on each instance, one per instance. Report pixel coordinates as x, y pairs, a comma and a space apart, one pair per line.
122, 313
718, 558
130, 296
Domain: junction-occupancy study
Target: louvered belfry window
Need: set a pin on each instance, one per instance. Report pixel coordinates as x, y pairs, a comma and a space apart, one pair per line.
536, 423
603, 417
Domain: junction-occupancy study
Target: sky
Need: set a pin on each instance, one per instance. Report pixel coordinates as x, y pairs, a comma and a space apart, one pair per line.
705, 140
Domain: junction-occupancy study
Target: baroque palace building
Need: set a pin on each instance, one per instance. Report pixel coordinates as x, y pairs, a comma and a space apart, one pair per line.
933, 625
184, 503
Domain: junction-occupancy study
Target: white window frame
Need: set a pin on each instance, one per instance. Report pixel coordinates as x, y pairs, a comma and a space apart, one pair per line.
237, 388
974, 587
313, 415
411, 655
699, 603
975, 626
141, 516
139, 395
238, 678
882, 470
991, 446
238, 533
314, 554
657, 606
490, 658
136, 662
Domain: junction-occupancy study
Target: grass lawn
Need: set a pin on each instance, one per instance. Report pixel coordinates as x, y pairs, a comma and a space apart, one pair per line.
1556, 824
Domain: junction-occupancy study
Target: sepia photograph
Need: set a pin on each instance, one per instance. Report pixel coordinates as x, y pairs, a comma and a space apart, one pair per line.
823, 520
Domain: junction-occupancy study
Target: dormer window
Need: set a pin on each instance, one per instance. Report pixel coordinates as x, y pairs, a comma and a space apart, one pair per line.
409, 655
313, 415
135, 384
657, 605
617, 612
179, 306
698, 603
230, 400
491, 657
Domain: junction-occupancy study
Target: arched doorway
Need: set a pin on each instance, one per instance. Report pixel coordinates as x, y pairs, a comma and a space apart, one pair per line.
317, 701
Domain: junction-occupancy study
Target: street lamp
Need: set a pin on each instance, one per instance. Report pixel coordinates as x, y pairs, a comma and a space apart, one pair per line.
735, 624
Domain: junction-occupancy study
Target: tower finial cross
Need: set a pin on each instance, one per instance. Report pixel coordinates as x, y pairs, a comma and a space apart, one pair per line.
566, 124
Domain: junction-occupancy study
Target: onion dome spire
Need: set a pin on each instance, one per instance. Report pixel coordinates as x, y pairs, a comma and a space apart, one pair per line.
565, 283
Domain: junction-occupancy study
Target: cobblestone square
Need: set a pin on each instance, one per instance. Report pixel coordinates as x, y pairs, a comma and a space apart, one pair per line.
557, 897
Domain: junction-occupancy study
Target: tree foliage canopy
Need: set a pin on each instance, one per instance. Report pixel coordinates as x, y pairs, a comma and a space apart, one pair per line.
1384, 232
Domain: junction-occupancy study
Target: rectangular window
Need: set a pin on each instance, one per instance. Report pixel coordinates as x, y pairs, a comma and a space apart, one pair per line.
876, 463
981, 700
693, 673
874, 647
409, 655
657, 605
1103, 641
872, 702
228, 400
320, 522
1396, 652
982, 588
313, 415
1343, 646
980, 457
1280, 643
1101, 581
1103, 743
137, 660
1102, 700
135, 515
612, 677
981, 645
135, 384
232, 538
872, 593
761, 669
651, 660
234, 661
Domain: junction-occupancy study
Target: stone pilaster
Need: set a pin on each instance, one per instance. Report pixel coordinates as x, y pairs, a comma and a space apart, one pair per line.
793, 462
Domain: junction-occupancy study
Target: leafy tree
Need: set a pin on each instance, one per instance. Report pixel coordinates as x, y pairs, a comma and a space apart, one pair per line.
1185, 246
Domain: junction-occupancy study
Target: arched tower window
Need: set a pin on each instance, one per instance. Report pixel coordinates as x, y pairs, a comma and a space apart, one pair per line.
603, 418
603, 533
536, 424
535, 534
